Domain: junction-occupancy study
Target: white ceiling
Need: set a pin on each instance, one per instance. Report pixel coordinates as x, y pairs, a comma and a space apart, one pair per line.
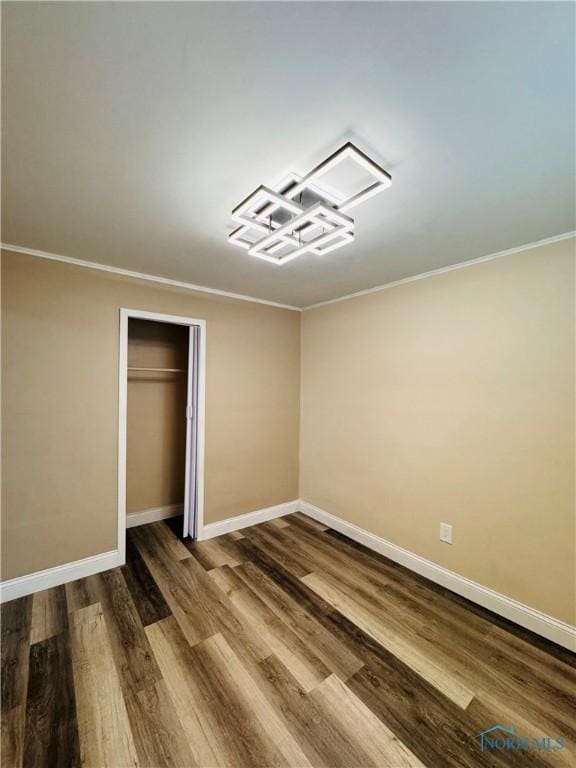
130, 131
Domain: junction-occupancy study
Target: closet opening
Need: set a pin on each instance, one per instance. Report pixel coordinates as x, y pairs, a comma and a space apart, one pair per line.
161, 421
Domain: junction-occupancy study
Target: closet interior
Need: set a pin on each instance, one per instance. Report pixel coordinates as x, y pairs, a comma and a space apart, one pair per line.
156, 420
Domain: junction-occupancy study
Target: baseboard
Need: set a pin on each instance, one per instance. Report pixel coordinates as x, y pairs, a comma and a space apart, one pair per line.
547, 626
153, 515
250, 518
61, 574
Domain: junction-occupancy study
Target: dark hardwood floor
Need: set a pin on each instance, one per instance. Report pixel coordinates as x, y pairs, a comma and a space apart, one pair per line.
281, 645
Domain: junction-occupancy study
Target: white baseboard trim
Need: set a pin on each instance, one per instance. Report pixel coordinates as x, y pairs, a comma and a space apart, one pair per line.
547, 626
250, 518
61, 574
153, 515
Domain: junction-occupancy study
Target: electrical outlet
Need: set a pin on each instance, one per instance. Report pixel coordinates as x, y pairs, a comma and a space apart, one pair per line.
446, 533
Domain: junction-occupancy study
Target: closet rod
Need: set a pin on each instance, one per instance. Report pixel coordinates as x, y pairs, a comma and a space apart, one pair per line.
163, 370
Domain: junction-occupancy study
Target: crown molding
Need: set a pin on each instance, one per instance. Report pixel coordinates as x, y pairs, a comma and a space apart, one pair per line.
443, 270
142, 276
241, 297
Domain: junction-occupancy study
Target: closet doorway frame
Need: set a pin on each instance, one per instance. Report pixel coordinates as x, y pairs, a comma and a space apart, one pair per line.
140, 314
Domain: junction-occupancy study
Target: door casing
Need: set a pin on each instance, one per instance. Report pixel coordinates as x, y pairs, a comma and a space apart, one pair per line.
198, 330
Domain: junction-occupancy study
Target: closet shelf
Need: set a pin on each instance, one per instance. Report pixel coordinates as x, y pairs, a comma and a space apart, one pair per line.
159, 370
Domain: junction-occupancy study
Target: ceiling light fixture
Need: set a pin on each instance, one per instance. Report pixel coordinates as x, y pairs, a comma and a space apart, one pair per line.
306, 214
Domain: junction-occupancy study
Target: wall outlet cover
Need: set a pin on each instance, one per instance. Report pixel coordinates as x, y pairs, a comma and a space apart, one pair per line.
446, 533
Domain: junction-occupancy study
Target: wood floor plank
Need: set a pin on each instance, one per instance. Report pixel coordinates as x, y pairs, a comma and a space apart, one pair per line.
214, 696
78, 595
303, 521
325, 743
429, 645
400, 646
417, 699
400, 702
416, 609
16, 617
468, 645
273, 744
178, 664
166, 541
106, 739
270, 540
490, 710
334, 655
361, 726
323, 553
12, 737
51, 735
454, 605
180, 591
148, 599
226, 579
284, 645
226, 618
49, 614
198, 605
532, 681
216, 552
132, 653
15, 641
158, 733
344, 547
351, 636
295, 654
174, 524
445, 734
470, 642
279, 522
182, 588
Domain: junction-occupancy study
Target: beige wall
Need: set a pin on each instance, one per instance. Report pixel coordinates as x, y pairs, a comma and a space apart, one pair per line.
156, 418
452, 399
447, 399
60, 326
